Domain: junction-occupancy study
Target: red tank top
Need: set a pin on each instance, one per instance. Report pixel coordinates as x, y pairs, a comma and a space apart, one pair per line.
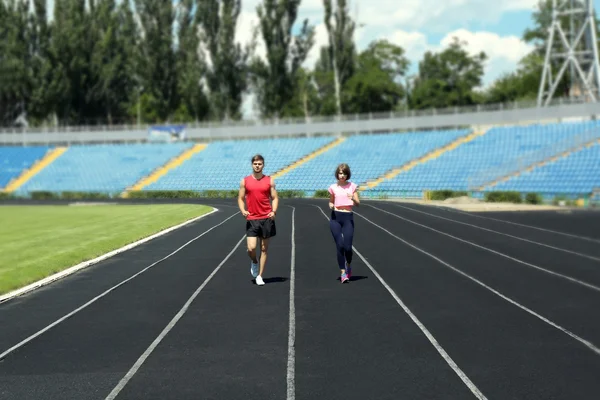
258, 197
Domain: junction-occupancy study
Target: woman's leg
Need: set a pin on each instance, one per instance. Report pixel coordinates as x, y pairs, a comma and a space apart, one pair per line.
336, 232
348, 233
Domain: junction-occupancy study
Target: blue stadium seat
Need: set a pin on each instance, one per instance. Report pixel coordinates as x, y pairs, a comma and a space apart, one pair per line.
15, 159
113, 168
103, 168
368, 156
575, 173
460, 169
223, 164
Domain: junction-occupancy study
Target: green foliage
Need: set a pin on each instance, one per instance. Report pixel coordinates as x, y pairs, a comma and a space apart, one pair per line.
445, 194
533, 198
275, 80
321, 194
448, 78
375, 87
563, 199
7, 196
290, 194
164, 194
227, 75
339, 57
109, 62
503, 197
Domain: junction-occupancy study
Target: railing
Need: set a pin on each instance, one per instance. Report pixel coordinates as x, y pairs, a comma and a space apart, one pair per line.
343, 126
130, 125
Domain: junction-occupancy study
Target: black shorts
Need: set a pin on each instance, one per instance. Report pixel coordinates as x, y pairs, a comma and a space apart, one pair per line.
263, 228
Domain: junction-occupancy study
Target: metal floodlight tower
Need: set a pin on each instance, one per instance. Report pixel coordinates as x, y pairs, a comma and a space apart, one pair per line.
579, 52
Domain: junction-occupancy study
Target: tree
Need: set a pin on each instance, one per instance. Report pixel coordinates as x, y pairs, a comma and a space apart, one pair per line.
156, 58
276, 79
521, 84
448, 78
111, 60
341, 53
226, 71
376, 86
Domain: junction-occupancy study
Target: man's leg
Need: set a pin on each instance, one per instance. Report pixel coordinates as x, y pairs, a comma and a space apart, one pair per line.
264, 247
251, 242
267, 231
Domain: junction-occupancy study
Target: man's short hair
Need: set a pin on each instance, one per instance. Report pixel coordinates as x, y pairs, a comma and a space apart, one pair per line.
257, 157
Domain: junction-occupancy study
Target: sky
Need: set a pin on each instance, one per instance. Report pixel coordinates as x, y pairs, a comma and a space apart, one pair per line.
494, 26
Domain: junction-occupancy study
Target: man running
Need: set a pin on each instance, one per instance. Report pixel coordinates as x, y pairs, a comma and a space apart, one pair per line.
258, 190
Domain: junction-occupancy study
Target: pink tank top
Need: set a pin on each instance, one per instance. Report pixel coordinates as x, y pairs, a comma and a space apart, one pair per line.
341, 194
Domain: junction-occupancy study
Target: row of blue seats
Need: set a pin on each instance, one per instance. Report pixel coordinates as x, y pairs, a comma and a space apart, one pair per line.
499, 148
14, 160
225, 163
370, 156
104, 168
113, 168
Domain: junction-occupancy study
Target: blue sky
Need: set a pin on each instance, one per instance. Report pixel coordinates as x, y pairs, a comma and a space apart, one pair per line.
494, 26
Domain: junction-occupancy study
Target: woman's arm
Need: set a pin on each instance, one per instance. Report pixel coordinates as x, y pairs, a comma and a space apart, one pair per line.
355, 198
331, 200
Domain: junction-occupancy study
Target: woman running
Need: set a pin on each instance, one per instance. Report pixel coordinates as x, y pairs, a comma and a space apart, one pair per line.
342, 197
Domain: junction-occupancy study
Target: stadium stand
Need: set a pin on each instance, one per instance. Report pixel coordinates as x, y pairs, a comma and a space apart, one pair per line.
102, 168
14, 160
502, 150
369, 156
222, 164
550, 159
577, 172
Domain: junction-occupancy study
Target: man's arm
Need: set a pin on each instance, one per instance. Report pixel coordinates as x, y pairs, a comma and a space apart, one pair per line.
241, 198
274, 197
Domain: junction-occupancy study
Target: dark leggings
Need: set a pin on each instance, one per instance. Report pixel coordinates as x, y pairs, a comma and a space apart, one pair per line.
342, 229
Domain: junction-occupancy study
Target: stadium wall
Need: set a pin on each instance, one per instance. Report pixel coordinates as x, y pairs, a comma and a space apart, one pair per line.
259, 129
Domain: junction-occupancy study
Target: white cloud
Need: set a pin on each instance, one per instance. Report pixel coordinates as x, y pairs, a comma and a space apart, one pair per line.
414, 43
435, 15
510, 48
504, 52
408, 24
321, 40
247, 21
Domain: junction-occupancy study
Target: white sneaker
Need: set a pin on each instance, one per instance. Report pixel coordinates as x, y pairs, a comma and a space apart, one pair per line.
259, 281
254, 269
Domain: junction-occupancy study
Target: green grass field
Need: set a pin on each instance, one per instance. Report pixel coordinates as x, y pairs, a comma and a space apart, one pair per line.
37, 241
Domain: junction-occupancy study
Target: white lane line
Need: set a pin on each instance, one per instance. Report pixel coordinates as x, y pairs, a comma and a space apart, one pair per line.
568, 278
589, 239
40, 332
291, 365
422, 327
588, 344
85, 264
168, 328
501, 233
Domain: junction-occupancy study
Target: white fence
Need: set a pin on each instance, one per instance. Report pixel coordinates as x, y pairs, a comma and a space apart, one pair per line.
255, 129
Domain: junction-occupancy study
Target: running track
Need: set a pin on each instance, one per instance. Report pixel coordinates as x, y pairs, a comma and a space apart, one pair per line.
443, 305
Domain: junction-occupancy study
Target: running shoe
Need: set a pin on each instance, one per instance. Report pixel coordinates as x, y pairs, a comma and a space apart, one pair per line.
344, 278
254, 269
259, 281
348, 271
